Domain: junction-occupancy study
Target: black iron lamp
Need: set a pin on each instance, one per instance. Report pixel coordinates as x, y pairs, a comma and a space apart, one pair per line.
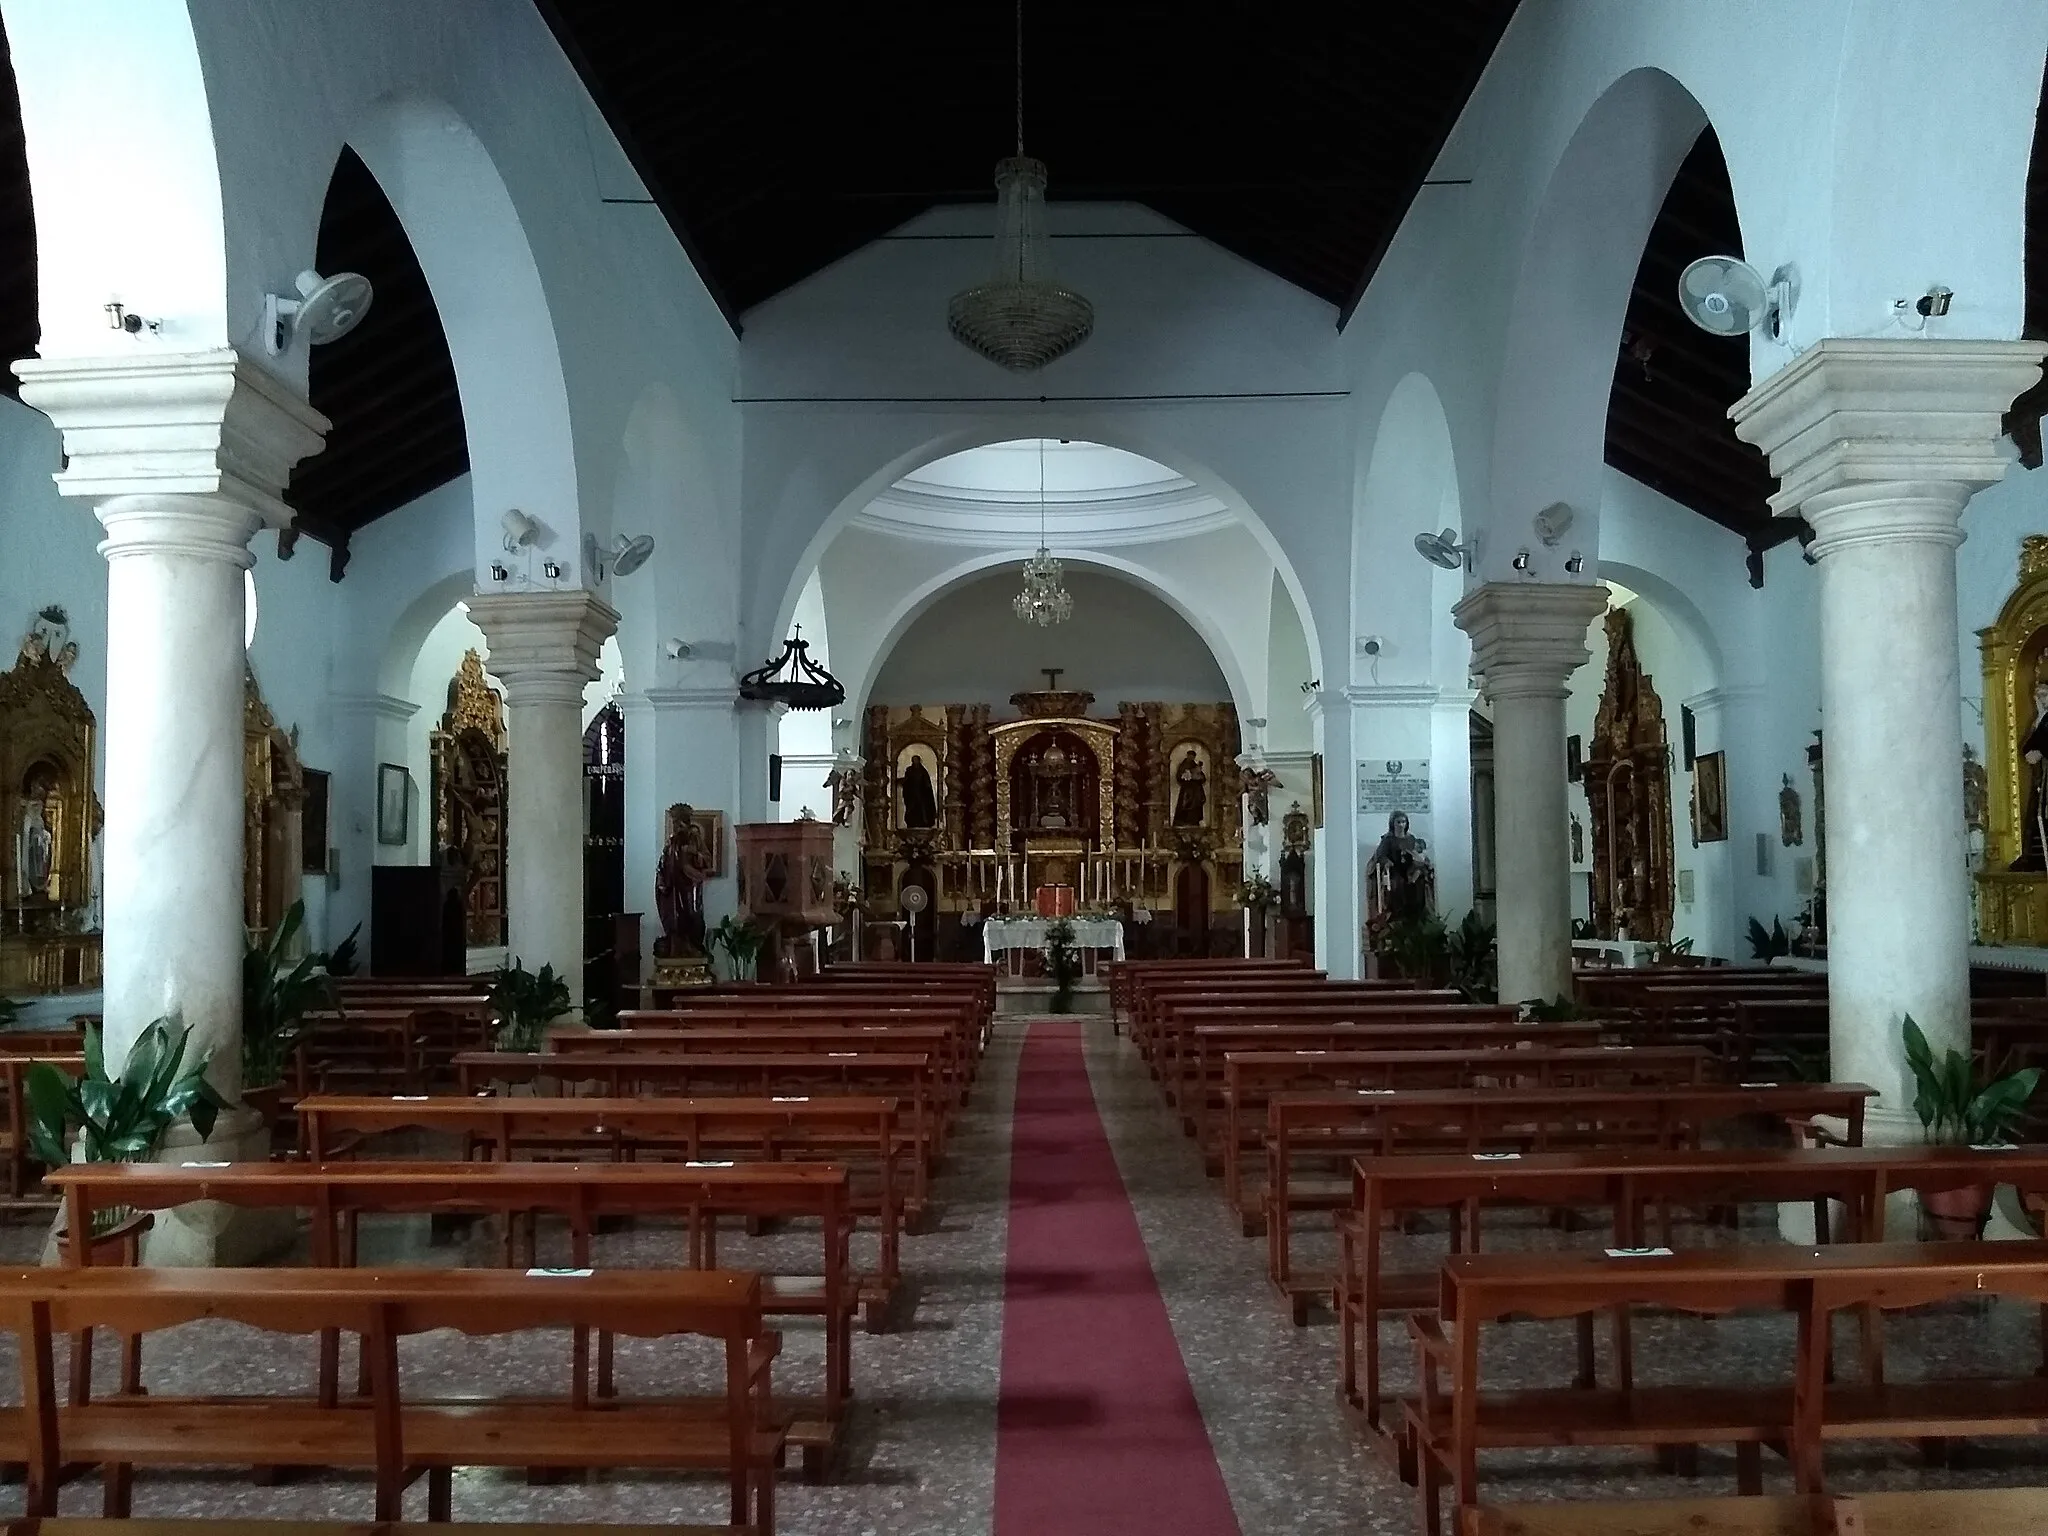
794, 679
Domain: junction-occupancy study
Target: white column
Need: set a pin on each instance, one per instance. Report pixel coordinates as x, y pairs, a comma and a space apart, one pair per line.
544, 649
1527, 639
1879, 444
184, 454
1450, 790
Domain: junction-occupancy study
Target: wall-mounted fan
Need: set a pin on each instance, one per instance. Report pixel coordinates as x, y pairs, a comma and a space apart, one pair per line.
326, 309
1444, 550
622, 558
1729, 297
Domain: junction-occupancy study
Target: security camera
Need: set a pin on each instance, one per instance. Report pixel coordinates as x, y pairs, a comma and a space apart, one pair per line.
675, 650
1934, 301
1371, 645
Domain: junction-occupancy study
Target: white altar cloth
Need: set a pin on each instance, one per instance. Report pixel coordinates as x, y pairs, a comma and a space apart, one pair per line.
1005, 933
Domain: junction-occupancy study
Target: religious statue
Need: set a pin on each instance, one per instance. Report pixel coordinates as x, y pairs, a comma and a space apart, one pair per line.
1791, 830
1257, 782
35, 845
1191, 792
920, 800
1053, 773
1400, 879
679, 877
2034, 767
1578, 839
49, 639
845, 783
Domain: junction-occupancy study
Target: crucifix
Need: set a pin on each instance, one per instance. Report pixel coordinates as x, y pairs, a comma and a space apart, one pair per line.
1052, 678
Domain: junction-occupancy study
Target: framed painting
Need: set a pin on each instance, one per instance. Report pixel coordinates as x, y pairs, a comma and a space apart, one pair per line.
1710, 798
394, 804
1315, 790
313, 823
713, 823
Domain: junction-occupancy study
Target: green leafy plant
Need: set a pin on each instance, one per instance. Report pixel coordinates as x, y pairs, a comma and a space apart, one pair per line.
526, 1003
1768, 943
741, 942
1257, 893
1416, 944
122, 1119
344, 959
277, 993
1957, 1108
1560, 1011
1473, 949
1062, 964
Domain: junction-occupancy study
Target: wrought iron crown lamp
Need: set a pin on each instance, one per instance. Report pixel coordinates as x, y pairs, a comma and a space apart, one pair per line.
1021, 318
1044, 601
794, 679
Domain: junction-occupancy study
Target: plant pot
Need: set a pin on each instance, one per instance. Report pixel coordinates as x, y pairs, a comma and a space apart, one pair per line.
1956, 1215
267, 1101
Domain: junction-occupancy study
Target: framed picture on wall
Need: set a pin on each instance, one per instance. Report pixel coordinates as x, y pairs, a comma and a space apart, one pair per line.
313, 823
1574, 759
394, 804
713, 823
1315, 790
1710, 798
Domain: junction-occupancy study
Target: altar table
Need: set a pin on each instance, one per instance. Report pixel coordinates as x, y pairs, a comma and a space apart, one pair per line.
1017, 934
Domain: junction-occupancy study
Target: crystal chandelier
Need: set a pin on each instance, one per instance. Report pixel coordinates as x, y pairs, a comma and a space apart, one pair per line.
1044, 601
1022, 318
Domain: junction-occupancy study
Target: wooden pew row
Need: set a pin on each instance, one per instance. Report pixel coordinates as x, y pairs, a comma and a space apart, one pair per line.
1120, 974
1252, 1078
938, 1041
73, 1526
1623, 1184
1923, 1512
1174, 1039
1309, 1133
1457, 1416
1157, 1004
336, 1196
975, 1011
1148, 990
1196, 1088
393, 1432
955, 1037
908, 1077
854, 1133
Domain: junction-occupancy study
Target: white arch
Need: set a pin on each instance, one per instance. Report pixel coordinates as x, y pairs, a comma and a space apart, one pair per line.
1408, 482
410, 630
1081, 428
1571, 293
1679, 609
463, 226
915, 603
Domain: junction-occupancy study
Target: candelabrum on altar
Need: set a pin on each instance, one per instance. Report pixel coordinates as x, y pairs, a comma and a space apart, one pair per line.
1104, 877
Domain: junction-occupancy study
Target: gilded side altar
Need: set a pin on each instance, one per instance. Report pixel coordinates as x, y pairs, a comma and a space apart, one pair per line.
2012, 885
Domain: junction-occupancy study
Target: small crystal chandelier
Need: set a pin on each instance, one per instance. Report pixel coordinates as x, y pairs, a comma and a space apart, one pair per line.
1043, 601
1022, 319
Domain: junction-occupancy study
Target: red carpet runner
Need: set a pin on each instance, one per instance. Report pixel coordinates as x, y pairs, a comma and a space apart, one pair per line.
1097, 1426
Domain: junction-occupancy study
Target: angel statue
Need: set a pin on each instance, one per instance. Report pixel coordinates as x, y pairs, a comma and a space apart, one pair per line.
1256, 781
844, 782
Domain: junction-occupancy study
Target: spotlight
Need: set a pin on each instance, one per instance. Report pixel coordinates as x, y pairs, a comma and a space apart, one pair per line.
498, 571
1522, 562
1575, 563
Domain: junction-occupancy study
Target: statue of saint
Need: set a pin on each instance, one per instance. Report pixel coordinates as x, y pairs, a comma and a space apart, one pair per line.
34, 847
1791, 825
1400, 879
920, 802
1191, 792
844, 782
679, 877
2034, 764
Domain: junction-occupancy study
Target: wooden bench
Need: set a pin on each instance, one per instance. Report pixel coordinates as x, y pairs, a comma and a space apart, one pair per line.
1623, 1184
1923, 1512
337, 1195
1123, 976
394, 1432
835, 1128
1158, 1009
1199, 1086
1251, 1078
14, 1070
1454, 1418
947, 1042
907, 1077
1319, 1128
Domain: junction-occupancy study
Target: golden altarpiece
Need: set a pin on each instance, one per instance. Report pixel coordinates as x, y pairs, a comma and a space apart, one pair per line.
2012, 885
1139, 811
468, 752
51, 817
1627, 773
273, 804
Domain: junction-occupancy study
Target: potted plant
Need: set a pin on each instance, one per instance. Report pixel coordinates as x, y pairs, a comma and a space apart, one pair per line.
120, 1119
1474, 952
1957, 1108
1416, 944
277, 993
741, 942
525, 1004
1768, 944
1062, 964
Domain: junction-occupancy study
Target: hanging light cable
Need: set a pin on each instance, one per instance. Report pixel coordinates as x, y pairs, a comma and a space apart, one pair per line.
1044, 601
1022, 319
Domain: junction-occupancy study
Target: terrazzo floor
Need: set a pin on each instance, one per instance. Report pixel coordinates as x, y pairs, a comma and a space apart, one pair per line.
920, 1452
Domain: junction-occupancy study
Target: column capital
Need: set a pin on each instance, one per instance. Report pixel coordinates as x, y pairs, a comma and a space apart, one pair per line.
209, 423
658, 700
1528, 637
378, 706
544, 645
1853, 411
192, 526
1391, 695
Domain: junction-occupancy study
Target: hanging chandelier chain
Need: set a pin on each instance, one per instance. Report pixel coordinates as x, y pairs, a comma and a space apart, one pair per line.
1020, 79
